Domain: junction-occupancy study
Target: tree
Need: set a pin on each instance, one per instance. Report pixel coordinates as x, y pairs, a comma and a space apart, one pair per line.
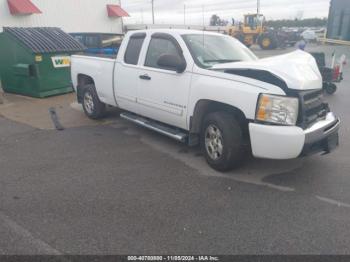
215, 20
309, 22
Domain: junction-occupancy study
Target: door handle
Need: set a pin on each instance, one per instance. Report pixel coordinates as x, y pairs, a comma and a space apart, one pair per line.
145, 77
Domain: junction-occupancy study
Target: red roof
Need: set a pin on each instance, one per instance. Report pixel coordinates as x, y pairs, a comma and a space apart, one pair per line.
116, 11
22, 7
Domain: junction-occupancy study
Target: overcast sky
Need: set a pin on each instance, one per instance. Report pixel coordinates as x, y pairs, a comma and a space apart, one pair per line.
172, 11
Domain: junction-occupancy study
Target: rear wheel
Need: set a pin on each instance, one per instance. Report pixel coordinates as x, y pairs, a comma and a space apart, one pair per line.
92, 105
222, 141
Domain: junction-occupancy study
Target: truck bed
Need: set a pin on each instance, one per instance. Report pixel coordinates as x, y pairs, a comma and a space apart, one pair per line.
100, 69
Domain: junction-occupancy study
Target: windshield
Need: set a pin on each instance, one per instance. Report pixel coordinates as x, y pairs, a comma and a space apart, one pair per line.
208, 50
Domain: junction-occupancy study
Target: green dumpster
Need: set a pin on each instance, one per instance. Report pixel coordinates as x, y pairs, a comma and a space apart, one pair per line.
36, 61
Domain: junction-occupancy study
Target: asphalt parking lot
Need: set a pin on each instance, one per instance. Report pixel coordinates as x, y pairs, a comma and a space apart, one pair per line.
111, 187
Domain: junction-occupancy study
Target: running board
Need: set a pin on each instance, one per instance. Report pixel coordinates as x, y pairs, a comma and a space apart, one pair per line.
171, 132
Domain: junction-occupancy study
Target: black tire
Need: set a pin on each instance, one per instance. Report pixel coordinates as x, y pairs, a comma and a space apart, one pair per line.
231, 141
330, 88
92, 105
267, 42
241, 38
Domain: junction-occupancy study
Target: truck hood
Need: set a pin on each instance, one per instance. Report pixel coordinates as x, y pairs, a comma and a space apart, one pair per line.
297, 69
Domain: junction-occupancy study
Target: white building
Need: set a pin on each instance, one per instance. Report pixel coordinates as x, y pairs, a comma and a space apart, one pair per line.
101, 16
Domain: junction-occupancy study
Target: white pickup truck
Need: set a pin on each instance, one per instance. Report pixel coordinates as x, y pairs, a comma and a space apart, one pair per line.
209, 89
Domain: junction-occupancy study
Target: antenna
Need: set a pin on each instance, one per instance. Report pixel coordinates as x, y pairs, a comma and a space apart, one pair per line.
152, 11
185, 13
203, 15
203, 23
142, 21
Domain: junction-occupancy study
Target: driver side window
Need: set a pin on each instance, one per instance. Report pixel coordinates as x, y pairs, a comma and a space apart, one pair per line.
157, 48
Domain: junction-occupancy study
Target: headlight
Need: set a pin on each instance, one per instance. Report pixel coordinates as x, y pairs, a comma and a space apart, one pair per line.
277, 109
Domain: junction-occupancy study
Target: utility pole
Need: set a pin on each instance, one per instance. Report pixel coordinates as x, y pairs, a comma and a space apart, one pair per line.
153, 11
122, 22
258, 13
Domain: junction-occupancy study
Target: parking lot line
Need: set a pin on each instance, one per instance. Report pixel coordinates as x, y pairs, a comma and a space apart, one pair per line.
333, 202
27, 238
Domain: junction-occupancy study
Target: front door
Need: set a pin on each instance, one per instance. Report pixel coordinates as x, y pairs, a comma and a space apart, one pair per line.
163, 93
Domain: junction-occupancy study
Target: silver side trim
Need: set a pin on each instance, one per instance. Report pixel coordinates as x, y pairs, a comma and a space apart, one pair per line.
173, 133
322, 129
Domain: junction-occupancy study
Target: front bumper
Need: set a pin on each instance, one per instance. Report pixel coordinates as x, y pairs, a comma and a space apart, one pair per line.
287, 142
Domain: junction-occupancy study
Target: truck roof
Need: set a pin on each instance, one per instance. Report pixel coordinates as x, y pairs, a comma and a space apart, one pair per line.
175, 31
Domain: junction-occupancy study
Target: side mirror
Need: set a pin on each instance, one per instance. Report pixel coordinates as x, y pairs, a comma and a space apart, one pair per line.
172, 62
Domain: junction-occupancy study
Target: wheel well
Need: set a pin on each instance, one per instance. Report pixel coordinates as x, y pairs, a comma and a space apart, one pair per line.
204, 107
83, 80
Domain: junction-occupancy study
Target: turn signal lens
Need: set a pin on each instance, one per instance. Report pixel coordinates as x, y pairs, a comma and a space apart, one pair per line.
264, 101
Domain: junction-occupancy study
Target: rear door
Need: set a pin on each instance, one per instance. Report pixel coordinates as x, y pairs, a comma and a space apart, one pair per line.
163, 93
126, 73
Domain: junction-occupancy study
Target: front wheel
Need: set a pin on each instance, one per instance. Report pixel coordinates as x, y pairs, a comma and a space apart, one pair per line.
92, 105
267, 42
222, 141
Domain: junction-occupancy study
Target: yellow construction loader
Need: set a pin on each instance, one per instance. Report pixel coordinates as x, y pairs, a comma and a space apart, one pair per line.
253, 31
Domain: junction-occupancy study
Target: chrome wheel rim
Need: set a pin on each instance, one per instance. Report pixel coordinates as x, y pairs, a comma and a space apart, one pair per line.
88, 103
213, 142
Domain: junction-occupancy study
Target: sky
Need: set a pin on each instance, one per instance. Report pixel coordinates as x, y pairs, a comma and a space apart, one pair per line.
172, 11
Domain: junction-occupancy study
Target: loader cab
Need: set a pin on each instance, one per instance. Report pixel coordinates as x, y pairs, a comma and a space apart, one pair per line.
254, 22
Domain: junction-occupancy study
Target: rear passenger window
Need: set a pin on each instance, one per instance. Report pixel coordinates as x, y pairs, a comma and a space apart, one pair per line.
133, 49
